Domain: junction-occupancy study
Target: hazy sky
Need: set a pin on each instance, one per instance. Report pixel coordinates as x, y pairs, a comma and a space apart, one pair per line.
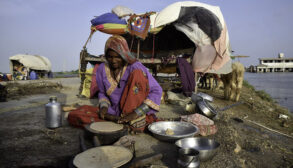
57, 29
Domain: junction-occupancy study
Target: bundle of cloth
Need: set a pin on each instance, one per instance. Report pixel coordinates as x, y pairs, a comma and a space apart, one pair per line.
112, 23
109, 23
123, 20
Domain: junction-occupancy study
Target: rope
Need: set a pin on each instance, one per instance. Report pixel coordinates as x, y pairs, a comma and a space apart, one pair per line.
90, 36
270, 129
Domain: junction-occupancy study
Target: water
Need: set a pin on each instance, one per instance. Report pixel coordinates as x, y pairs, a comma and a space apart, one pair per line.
278, 85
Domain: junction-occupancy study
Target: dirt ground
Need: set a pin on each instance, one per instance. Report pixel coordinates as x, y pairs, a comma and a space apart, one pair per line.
26, 142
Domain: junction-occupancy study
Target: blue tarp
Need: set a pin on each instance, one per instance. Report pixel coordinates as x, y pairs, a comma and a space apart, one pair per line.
107, 18
33, 75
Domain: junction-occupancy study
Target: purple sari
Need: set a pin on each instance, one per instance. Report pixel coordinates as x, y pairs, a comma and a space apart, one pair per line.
110, 91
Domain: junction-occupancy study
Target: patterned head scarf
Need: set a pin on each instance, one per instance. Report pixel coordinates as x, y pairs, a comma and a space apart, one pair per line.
119, 44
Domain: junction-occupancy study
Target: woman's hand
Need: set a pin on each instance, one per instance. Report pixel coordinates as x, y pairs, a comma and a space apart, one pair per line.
111, 117
103, 112
128, 118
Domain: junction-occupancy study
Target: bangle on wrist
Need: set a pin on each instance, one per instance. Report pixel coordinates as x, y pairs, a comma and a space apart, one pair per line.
142, 109
104, 104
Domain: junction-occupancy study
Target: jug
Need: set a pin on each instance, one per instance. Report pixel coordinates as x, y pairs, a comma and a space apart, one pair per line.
53, 113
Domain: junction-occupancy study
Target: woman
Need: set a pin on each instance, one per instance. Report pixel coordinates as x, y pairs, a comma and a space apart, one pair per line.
128, 93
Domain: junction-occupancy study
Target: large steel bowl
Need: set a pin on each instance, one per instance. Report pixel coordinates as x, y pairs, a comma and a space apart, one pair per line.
180, 129
207, 147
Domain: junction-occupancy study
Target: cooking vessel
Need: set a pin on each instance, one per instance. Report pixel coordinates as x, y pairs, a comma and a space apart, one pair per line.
180, 130
201, 96
207, 147
209, 111
105, 138
188, 157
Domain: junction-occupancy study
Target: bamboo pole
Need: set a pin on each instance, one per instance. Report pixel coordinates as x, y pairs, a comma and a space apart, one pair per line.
138, 48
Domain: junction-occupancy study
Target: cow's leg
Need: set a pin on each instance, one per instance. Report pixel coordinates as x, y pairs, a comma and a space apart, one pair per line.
227, 85
233, 85
239, 84
211, 82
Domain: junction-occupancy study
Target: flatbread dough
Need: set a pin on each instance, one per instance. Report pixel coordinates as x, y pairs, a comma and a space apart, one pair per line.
103, 157
105, 126
169, 131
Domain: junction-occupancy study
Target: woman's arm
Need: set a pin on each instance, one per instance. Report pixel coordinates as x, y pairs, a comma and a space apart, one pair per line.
153, 99
103, 99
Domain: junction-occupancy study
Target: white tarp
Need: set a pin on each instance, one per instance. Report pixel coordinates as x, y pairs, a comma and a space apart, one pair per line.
35, 62
171, 12
207, 58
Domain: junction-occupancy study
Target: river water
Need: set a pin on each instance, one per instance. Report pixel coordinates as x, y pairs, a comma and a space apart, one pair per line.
278, 85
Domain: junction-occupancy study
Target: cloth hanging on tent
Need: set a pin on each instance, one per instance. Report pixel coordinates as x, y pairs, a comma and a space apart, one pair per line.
223, 50
87, 83
194, 33
187, 76
94, 86
209, 56
205, 19
138, 25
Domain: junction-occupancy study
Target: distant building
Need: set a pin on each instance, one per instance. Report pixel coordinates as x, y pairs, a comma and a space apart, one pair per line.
251, 68
279, 64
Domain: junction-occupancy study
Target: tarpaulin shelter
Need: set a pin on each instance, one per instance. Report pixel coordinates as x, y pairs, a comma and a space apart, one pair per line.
30, 62
185, 27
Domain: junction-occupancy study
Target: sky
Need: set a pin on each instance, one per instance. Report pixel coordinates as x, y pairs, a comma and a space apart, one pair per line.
58, 29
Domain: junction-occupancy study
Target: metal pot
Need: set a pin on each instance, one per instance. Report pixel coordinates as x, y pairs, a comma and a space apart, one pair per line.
195, 97
206, 109
188, 157
207, 147
209, 111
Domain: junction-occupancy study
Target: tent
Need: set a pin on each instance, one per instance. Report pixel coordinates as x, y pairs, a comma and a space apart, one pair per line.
30, 62
185, 27
35, 62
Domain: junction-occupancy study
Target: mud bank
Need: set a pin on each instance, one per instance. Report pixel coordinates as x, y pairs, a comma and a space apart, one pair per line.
26, 142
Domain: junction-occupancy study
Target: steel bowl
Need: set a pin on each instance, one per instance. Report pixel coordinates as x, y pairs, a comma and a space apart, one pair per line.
206, 109
195, 97
181, 130
207, 147
188, 157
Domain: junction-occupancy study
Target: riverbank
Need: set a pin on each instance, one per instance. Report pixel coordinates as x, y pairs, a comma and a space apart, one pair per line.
278, 85
251, 134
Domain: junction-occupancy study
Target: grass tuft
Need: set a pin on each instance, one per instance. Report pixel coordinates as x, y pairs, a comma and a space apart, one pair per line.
248, 85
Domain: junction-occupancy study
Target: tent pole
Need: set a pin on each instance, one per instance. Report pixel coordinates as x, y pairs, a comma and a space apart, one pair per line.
196, 82
153, 53
138, 48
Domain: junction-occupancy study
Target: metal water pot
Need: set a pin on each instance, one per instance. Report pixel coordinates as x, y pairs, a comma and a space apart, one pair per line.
53, 113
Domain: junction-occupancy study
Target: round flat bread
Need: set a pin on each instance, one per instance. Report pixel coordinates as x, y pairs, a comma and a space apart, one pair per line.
105, 127
104, 156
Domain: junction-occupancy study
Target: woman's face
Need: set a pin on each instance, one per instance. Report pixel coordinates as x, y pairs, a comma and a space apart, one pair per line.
114, 59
